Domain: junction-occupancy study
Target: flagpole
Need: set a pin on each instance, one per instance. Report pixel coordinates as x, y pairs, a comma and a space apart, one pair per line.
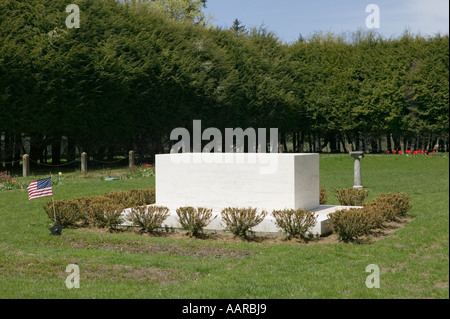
54, 211
53, 200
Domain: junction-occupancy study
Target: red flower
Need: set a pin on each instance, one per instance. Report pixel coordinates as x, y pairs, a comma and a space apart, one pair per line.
148, 165
388, 152
395, 152
434, 151
400, 152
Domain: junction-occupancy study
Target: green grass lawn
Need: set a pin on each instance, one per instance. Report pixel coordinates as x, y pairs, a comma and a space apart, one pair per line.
414, 260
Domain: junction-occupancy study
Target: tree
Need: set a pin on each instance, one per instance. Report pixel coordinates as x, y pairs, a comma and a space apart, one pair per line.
131, 73
189, 10
238, 28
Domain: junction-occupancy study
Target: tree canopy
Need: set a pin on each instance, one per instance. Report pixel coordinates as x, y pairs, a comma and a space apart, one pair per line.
136, 70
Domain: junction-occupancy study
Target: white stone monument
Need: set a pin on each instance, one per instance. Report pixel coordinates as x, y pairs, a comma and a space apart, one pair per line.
223, 180
266, 181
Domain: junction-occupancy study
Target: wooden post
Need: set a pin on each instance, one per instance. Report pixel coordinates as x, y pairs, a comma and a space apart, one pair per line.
26, 165
83, 162
131, 159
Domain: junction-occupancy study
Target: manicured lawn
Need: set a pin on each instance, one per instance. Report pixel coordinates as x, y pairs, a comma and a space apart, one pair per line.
414, 261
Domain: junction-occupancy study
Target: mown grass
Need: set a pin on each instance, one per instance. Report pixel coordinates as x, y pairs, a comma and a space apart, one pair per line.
414, 261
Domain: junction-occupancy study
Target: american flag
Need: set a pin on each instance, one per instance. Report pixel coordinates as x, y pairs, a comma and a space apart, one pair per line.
40, 188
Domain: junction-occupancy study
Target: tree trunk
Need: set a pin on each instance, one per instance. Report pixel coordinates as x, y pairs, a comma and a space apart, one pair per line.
301, 141
388, 143
294, 142
110, 153
334, 145
374, 145
347, 142
56, 151
357, 142
317, 143
283, 142
310, 142
70, 149
419, 142
36, 150
7, 154
403, 143
363, 143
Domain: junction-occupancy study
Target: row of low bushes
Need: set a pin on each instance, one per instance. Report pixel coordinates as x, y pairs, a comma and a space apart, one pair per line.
351, 196
350, 224
105, 212
345, 196
238, 221
99, 211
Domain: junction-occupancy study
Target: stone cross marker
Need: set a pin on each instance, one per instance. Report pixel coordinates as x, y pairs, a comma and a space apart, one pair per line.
357, 169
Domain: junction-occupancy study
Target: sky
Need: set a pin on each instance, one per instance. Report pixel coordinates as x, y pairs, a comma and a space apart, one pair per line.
290, 18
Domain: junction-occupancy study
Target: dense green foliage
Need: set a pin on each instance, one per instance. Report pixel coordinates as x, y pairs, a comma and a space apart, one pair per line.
133, 72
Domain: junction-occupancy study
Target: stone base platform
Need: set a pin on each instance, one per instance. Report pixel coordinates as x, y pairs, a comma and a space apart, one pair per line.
267, 226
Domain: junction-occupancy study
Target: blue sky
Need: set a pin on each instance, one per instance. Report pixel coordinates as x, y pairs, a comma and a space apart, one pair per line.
289, 18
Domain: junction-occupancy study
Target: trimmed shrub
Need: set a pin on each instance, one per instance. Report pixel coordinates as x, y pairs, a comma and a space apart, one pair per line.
66, 212
149, 218
133, 198
377, 217
400, 201
295, 223
240, 220
193, 220
323, 196
103, 212
383, 208
397, 202
351, 196
350, 224
98, 211
390, 206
